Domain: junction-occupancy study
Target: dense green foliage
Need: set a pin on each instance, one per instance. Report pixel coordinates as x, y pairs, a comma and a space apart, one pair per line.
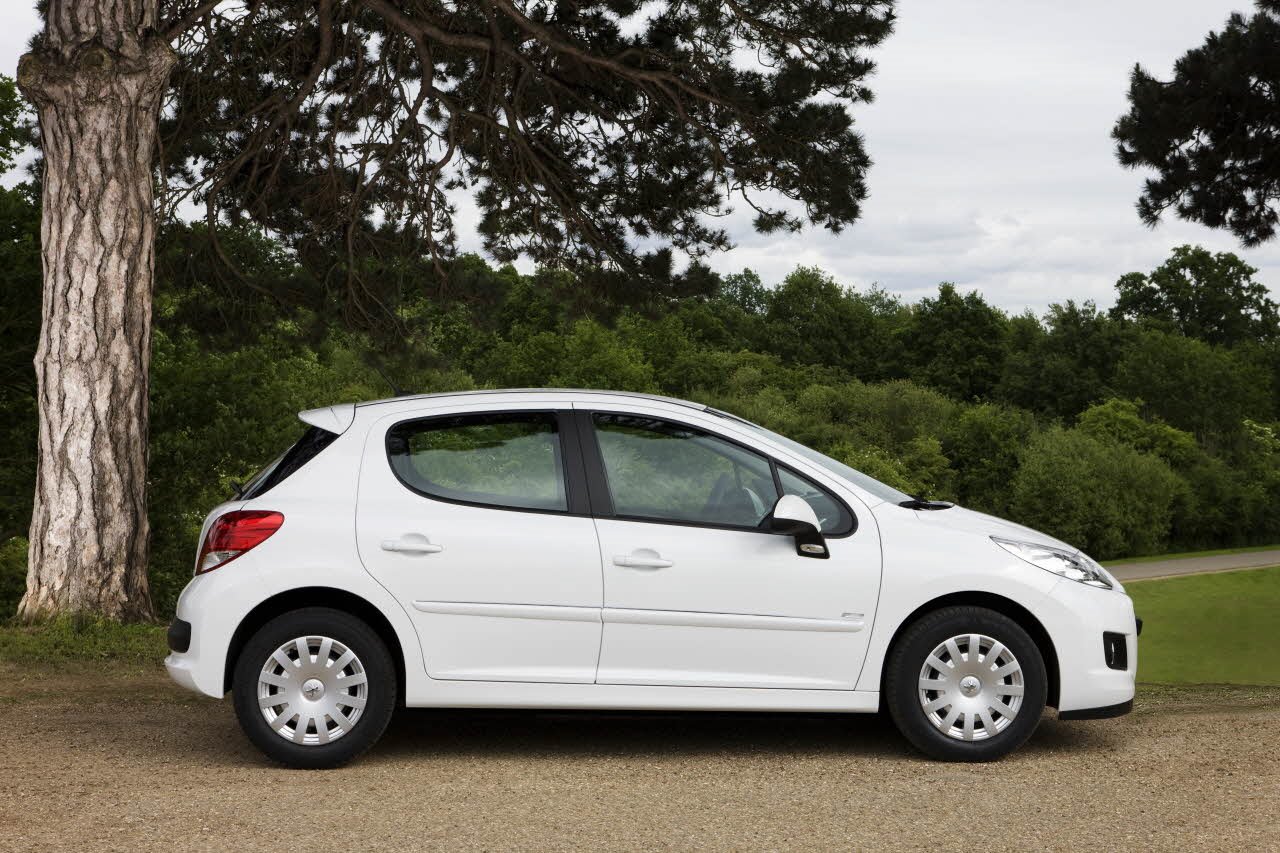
1213, 297
1125, 432
1209, 629
1210, 131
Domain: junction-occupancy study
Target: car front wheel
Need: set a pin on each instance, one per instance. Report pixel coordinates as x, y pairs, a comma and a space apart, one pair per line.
966, 684
314, 688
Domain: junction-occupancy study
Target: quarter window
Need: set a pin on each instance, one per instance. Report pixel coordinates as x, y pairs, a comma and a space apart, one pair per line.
509, 459
834, 518
666, 471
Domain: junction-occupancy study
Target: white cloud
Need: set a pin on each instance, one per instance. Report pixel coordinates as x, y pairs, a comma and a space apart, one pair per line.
994, 166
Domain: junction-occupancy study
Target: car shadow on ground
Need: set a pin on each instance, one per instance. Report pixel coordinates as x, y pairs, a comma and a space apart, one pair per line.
590, 734
482, 734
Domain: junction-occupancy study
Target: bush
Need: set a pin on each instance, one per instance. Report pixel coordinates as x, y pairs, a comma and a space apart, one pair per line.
983, 445
1099, 495
1205, 390
13, 574
1122, 421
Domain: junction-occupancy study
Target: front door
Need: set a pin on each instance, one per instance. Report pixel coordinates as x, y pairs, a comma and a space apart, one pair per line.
696, 593
473, 522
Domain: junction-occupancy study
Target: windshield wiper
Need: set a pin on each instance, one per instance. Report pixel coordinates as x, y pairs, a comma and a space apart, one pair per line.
917, 502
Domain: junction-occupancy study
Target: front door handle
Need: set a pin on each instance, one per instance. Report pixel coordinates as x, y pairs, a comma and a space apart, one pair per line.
413, 543
642, 559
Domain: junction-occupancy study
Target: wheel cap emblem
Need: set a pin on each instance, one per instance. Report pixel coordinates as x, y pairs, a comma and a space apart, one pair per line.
313, 689
969, 685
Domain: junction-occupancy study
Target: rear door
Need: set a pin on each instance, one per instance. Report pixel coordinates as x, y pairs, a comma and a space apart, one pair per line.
696, 593
478, 522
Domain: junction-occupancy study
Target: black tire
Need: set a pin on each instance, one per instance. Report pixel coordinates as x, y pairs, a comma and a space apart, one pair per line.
380, 692
908, 656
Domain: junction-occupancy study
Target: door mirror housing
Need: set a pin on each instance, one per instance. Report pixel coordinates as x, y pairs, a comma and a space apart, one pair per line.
792, 516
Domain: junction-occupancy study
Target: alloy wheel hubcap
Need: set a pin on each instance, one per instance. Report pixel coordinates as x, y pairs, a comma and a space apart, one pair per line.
312, 690
971, 687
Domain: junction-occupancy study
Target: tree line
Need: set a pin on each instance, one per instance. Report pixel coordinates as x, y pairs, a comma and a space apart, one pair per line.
1147, 427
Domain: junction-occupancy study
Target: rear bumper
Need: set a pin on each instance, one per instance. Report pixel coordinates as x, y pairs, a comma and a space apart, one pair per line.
1103, 713
209, 610
182, 669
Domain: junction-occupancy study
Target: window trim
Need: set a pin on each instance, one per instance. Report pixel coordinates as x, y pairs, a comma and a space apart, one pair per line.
572, 472
598, 481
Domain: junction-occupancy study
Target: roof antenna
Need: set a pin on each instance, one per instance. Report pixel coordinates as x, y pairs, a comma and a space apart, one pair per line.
396, 390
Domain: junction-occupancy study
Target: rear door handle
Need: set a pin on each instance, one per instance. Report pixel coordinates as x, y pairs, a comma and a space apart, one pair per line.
411, 544
642, 560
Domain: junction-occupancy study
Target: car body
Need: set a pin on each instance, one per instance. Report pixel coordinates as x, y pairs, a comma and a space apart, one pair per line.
604, 550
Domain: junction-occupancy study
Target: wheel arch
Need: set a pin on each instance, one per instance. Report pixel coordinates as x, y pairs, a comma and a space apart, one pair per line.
315, 596
1000, 604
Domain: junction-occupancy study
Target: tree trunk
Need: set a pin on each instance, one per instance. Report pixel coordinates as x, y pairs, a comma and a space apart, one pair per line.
97, 78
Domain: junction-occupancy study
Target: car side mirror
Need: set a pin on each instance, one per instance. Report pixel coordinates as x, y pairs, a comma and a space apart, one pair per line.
792, 516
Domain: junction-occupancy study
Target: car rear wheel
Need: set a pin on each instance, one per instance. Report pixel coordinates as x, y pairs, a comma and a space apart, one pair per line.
966, 684
314, 688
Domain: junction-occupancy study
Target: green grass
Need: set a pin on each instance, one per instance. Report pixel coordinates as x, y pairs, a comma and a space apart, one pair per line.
1209, 629
1152, 558
70, 640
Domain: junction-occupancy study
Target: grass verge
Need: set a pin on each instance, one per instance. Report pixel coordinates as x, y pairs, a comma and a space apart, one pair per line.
1209, 629
71, 639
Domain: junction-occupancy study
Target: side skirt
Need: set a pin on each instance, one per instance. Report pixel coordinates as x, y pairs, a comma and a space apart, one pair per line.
430, 693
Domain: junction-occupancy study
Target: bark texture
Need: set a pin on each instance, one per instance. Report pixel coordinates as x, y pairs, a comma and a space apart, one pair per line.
97, 77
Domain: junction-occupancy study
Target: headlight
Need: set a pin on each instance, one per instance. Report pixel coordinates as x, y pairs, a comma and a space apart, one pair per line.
1066, 564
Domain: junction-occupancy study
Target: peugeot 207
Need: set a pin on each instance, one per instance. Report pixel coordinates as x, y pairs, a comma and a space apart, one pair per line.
599, 550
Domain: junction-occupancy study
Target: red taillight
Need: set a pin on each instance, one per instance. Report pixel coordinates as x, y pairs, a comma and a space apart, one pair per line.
232, 534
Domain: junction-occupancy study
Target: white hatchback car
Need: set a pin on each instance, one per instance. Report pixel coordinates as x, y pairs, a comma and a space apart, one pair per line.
583, 549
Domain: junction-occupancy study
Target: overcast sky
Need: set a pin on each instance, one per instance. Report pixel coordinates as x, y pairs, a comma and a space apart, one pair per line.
994, 166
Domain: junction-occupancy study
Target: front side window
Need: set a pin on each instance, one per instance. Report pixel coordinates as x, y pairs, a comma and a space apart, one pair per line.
508, 459
670, 472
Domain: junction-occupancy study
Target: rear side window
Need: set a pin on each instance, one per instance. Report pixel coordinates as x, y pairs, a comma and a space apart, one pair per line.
307, 448
507, 459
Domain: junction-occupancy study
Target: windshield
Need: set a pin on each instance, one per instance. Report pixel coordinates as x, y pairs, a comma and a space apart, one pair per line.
841, 470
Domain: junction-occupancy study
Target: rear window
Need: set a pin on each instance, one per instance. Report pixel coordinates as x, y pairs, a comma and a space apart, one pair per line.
307, 448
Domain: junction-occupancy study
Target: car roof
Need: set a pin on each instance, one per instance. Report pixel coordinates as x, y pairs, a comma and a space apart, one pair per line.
493, 391
338, 417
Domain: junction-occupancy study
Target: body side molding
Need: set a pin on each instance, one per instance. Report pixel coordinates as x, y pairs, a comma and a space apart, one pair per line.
552, 612
688, 619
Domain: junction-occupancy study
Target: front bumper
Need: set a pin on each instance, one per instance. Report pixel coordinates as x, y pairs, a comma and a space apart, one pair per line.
1104, 713
1076, 617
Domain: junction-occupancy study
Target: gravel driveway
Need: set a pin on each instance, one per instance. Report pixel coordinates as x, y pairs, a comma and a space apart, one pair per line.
107, 760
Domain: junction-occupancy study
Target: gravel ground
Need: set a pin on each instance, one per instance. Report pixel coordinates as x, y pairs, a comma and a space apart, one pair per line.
97, 759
